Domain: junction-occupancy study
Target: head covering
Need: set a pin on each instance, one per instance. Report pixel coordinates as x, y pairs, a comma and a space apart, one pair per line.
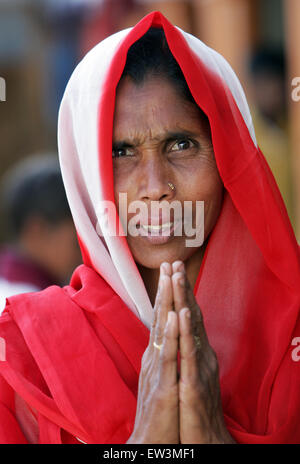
249, 284
85, 149
248, 287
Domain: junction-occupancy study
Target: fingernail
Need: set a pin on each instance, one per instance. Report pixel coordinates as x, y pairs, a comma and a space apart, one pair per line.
187, 313
163, 268
181, 267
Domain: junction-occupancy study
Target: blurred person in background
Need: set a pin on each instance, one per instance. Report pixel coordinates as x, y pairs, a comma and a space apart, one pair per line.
269, 112
41, 248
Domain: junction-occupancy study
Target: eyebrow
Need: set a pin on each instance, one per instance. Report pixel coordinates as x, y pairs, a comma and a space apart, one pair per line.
166, 136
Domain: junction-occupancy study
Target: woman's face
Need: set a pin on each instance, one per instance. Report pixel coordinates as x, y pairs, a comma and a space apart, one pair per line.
160, 138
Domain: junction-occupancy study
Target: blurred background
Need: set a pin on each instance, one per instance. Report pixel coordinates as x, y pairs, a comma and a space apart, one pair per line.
41, 41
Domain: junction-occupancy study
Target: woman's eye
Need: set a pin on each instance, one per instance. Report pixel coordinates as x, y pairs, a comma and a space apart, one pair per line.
184, 144
121, 152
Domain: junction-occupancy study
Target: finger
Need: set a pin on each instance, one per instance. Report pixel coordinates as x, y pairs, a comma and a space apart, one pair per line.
197, 342
178, 266
165, 305
184, 297
179, 291
165, 268
155, 311
188, 349
168, 353
197, 318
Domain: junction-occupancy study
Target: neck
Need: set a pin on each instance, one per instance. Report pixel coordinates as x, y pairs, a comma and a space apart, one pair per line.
192, 268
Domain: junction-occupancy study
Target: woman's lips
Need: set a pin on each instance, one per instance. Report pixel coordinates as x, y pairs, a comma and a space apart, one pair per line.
158, 229
157, 234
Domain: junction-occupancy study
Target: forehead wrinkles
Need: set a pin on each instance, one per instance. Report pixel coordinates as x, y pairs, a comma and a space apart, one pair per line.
140, 121
148, 106
149, 124
149, 110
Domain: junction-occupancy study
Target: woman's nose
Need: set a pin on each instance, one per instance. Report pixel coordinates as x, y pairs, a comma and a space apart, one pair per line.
154, 179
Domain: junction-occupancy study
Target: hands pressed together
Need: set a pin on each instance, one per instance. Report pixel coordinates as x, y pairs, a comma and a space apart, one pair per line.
178, 402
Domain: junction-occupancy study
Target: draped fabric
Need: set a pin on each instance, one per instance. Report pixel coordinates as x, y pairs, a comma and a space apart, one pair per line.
75, 368
70, 357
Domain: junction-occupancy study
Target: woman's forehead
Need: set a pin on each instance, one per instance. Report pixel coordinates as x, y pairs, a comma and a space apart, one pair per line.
153, 107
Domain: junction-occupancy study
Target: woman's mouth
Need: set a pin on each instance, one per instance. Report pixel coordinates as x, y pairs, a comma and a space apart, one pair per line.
157, 230
157, 234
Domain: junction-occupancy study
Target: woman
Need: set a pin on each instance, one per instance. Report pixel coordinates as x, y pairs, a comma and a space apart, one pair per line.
94, 362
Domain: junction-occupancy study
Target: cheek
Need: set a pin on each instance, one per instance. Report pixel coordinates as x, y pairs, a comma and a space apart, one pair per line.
123, 185
122, 182
119, 186
213, 204
204, 184
208, 187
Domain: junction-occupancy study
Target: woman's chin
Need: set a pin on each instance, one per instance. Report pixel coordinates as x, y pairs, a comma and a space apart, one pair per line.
153, 258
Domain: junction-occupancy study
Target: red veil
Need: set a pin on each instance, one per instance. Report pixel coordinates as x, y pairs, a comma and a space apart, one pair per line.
70, 357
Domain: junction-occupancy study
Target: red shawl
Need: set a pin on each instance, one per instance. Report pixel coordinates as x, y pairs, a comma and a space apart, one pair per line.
73, 365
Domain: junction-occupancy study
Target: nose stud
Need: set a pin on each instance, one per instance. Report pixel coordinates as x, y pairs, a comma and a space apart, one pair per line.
172, 186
